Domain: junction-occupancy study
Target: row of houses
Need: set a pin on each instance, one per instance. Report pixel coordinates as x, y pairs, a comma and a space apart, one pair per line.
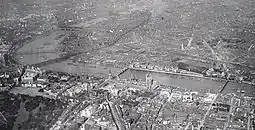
154, 67
180, 67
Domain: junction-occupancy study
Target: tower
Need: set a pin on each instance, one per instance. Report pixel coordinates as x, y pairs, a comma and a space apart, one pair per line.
153, 84
132, 76
110, 73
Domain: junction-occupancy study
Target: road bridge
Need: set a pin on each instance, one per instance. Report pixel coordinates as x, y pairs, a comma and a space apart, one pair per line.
56, 60
122, 71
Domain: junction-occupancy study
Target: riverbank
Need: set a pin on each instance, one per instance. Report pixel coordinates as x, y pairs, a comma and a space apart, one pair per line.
189, 83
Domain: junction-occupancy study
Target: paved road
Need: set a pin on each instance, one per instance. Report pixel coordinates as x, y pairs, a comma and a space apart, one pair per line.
210, 107
116, 117
229, 114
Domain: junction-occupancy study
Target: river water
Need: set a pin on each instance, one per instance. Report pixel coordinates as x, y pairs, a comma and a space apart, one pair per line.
195, 84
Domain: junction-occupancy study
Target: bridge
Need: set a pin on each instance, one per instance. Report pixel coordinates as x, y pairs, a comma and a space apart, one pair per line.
17, 45
56, 60
122, 71
31, 52
70, 28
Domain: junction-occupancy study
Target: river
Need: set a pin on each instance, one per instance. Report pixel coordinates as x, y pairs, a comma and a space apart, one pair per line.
195, 84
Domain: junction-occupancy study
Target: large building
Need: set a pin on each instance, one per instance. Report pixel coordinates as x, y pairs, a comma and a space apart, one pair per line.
29, 76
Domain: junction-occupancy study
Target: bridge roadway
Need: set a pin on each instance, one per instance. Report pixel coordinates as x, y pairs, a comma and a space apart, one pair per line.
122, 71
11, 52
56, 60
16, 45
